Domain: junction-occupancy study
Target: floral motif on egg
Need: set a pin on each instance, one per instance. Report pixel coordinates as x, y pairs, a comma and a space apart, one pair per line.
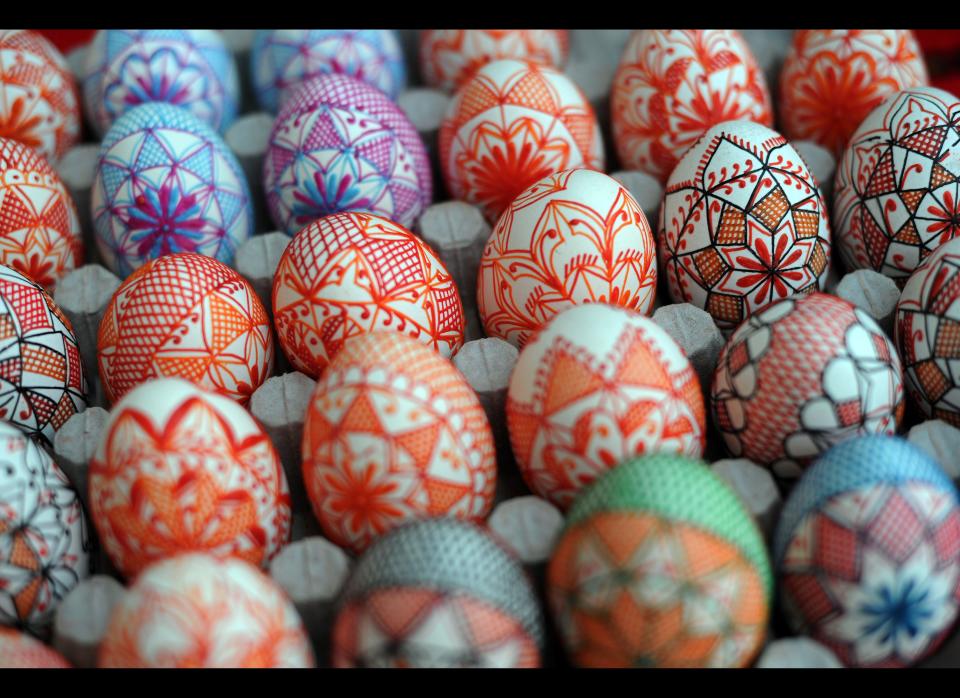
281, 59
742, 224
352, 273
41, 376
167, 183
510, 125
393, 433
339, 144
194, 611
832, 78
448, 57
896, 194
187, 68
43, 536
39, 224
928, 333
801, 376
672, 85
190, 316
179, 469
39, 102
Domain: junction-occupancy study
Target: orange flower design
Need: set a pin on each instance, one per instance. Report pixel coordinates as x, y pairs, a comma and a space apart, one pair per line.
17, 125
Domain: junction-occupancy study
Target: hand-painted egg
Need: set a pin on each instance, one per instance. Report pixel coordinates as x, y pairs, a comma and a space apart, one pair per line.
660, 565
573, 237
281, 59
928, 334
20, 651
509, 126
180, 469
868, 552
674, 84
595, 386
742, 224
167, 183
41, 376
394, 432
832, 78
43, 537
39, 225
39, 101
195, 611
339, 144
352, 273
895, 196
449, 57
802, 375
189, 316
438, 594
188, 68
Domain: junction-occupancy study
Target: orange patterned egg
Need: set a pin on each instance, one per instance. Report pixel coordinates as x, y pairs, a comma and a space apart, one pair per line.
20, 651
181, 469
510, 125
393, 433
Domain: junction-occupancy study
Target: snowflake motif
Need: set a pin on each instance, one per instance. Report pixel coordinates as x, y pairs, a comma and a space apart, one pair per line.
328, 192
166, 221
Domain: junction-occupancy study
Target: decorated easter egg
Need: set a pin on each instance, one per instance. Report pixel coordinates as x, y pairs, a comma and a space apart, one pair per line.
190, 316
39, 224
509, 126
595, 386
928, 333
43, 537
802, 375
660, 565
281, 59
867, 552
352, 273
833, 78
41, 376
188, 68
195, 611
339, 144
742, 224
438, 594
167, 183
181, 469
20, 651
672, 85
39, 101
895, 196
449, 57
394, 432
573, 237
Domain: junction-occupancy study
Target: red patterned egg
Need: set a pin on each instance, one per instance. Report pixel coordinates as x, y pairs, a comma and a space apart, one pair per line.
674, 84
928, 334
449, 57
896, 197
352, 273
39, 224
195, 611
802, 375
510, 125
573, 237
596, 386
40, 103
180, 469
20, 651
190, 316
742, 224
393, 433
832, 78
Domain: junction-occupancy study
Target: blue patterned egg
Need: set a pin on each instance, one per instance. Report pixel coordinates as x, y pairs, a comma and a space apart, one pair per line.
868, 552
166, 183
191, 68
281, 59
339, 144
